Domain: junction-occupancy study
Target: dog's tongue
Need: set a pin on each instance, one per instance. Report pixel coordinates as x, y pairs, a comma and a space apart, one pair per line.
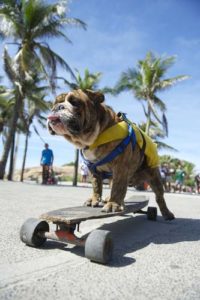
53, 117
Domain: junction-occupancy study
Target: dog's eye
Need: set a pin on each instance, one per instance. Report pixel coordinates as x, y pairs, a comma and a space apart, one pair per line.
60, 107
74, 101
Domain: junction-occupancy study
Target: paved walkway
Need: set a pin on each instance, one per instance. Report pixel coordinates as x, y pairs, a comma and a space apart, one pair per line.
152, 260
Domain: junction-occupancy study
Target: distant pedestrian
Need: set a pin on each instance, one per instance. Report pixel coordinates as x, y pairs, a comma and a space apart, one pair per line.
84, 172
179, 178
197, 181
46, 163
169, 172
163, 172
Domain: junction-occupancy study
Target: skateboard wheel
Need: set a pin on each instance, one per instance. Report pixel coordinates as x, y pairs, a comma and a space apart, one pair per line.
152, 213
99, 246
29, 233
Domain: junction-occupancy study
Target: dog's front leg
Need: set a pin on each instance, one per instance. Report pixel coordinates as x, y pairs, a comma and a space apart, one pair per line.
97, 191
118, 192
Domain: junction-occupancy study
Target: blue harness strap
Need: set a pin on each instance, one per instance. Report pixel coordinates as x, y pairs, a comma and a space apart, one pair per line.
112, 155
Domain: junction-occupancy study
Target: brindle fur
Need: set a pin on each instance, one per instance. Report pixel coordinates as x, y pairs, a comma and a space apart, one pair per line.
93, 117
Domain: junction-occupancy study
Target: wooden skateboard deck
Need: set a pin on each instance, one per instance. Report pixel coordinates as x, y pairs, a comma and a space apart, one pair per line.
77, 214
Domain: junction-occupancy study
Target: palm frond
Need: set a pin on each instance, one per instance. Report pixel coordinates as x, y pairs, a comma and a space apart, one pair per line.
145, 81
6, 98
39, 103
42, 121
30, 22
166, 63
37, 132
71, 85
162, 145
153, 110
51, 58
145, 111
9, 66
108, 90
49, 21
167, 83
159, 103
88, 81
165, 124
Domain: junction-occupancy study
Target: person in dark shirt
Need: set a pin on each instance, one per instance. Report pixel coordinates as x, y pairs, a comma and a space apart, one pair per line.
46, 163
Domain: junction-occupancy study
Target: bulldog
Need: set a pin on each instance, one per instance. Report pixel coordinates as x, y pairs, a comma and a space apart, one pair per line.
110, 145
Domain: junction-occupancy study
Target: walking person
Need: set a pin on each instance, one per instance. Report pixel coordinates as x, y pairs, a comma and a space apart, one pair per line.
179, 177
163, 172
197, 181
84, 172
169, 172
46, 163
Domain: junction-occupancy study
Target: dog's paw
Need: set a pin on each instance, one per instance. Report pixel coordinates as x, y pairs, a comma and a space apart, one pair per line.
92, 202
106, 200
88, 202
168, 215
95, 203
112, 207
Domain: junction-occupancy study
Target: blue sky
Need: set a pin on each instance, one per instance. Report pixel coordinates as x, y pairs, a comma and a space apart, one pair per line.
119, 33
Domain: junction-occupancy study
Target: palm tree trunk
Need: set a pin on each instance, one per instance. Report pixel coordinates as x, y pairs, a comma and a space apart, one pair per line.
9, 139
25, 154
16, 151
148, 120
75, 177
10, 173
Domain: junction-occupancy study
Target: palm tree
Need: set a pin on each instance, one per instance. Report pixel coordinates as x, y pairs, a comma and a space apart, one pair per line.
146, 81
7, 100
157, 134
34, 113
36, 105
88, 81
29, 23
17, 96
5, 105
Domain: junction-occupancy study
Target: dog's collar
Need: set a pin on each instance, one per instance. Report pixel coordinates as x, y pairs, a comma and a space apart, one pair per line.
116, 132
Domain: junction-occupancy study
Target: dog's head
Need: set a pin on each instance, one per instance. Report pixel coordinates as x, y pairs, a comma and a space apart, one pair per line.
76, 116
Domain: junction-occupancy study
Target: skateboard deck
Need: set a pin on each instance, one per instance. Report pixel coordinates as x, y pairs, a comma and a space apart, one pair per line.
77, 214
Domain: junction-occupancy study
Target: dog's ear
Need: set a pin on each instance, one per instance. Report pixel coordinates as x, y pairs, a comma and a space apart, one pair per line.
95, 96
60, 98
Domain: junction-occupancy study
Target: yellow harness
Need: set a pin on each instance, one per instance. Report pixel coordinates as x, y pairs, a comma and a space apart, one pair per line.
120, 131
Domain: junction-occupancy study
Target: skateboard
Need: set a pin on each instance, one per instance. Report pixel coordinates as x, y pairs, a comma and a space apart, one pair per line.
98, 244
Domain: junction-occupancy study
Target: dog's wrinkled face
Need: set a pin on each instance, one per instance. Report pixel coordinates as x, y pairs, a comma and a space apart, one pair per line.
75, 116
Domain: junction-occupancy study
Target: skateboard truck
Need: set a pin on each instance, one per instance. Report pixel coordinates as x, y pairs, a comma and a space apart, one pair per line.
63, 235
